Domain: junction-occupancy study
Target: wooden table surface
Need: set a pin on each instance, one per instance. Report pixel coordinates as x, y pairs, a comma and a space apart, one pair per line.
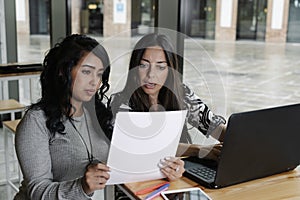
12, 125
280, 186
10, 104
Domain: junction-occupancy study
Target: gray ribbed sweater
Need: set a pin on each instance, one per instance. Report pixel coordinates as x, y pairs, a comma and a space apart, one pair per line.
52, 167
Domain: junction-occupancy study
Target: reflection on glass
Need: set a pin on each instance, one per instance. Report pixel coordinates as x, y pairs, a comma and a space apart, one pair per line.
294, 22
33, 30
199, 17
142, 16
91, 17
33, 40
251, 22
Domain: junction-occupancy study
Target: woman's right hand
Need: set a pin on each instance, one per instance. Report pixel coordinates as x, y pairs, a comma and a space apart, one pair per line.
95, 177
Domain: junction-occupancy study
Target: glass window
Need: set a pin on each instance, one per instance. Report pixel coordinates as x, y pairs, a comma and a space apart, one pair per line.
93, 12
199, 18
142, 16
294, 22
251, 22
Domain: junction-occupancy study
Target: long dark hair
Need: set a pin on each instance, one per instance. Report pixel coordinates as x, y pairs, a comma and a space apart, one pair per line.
170, 94
56, 80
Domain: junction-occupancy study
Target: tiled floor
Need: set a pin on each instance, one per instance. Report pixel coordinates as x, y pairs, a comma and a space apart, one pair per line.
229, 76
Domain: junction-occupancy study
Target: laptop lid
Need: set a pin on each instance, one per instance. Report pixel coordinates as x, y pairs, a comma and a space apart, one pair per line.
258, 144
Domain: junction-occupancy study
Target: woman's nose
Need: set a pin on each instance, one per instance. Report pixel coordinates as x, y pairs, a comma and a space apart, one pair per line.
94, 80
151, 71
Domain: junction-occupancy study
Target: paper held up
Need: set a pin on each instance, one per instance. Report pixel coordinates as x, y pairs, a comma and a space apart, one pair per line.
139, 141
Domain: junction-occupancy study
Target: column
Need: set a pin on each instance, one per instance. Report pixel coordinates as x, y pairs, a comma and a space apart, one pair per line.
226, 20
22, 15
60, 20
11, 43
277, 20
2, 34
169, 22
117, 18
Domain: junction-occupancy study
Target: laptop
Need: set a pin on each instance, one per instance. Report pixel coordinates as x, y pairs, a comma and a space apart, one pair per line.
257, 144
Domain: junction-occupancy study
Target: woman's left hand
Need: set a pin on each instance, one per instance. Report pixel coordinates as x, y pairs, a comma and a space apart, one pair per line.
172, 167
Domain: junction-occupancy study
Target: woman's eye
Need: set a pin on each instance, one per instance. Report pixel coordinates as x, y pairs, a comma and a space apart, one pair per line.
86, 72
100, 75
143, 66
161, 67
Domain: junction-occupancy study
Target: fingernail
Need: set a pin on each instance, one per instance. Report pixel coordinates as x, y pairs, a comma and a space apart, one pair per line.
160, 165
168, 158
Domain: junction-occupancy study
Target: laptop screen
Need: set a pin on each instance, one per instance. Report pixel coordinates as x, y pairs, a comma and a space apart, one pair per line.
259, 143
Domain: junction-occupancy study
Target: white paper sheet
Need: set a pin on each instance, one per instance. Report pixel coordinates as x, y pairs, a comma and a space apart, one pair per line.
140, 140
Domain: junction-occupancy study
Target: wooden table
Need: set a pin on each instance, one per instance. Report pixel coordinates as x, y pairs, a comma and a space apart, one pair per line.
10, 106
280, 186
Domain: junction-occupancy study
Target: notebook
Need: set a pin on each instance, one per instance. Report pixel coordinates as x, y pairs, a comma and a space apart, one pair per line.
257, 144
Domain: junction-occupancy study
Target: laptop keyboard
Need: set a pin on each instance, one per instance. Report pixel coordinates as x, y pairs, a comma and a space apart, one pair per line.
203, 172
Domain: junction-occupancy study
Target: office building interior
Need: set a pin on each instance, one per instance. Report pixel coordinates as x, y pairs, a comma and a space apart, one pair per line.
239, 55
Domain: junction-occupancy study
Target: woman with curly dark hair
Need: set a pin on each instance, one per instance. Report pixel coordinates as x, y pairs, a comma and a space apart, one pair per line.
59, 142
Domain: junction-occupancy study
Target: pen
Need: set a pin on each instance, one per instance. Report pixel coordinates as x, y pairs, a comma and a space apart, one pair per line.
157, 192
150, 189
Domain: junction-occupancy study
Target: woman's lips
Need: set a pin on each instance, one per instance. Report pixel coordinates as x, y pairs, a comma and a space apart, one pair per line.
90, 92
149, 85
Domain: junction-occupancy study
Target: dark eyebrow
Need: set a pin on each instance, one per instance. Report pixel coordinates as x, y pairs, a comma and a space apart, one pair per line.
156, 62
145, 60
92, 67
